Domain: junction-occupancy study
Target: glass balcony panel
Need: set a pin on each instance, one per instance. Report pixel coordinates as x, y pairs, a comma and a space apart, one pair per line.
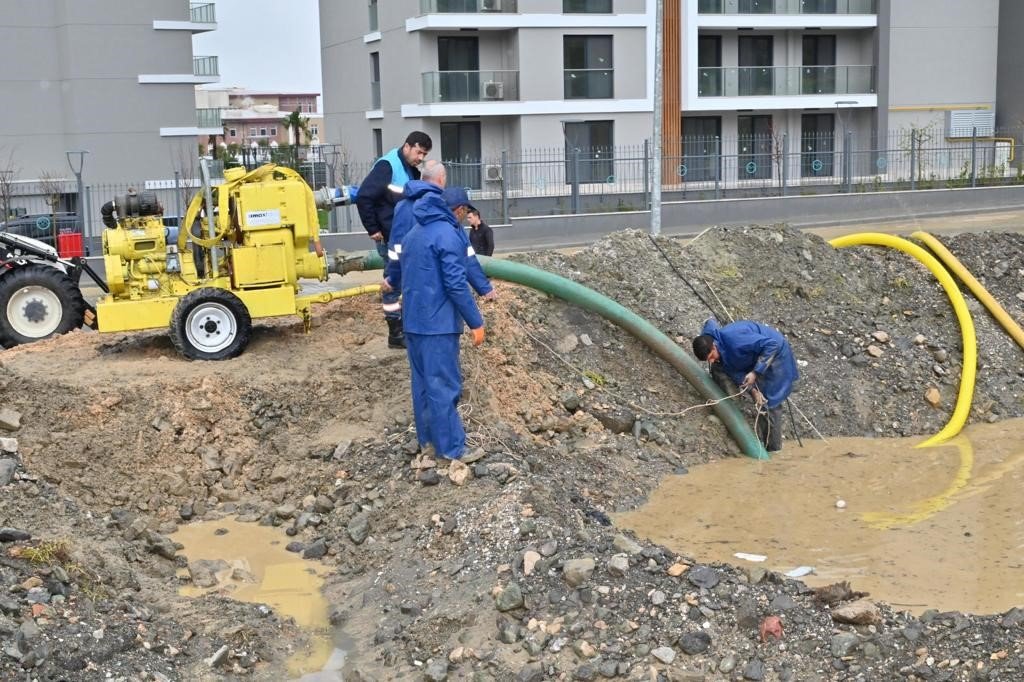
469, 86
205, 66
468, 6
589, 84
208, 118
787, 7
203, 12
760, 81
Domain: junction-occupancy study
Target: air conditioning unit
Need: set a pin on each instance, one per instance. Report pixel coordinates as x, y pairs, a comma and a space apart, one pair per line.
494, 90
493, 172
490, 5
962, 123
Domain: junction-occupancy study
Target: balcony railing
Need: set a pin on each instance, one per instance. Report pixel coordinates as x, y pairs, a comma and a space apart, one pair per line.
589, 83
208, 118
205, 66
787, 6
470, 86
468, 6
774, 81
203, 12
374, 95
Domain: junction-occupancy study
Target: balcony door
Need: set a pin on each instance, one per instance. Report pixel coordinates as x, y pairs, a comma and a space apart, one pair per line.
817, 142
460, 152
709, 63
818, 76
458, 61
701, 154
754, 161
756, 57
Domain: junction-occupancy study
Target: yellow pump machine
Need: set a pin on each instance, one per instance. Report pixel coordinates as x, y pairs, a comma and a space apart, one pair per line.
242, 248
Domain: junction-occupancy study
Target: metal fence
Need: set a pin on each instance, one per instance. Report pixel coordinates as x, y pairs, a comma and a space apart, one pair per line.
570, 180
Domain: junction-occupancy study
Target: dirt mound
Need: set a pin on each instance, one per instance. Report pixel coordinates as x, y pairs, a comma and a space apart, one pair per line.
571, 418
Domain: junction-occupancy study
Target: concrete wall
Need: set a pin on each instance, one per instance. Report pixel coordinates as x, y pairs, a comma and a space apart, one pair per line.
555, 7
73, 68
1010, 71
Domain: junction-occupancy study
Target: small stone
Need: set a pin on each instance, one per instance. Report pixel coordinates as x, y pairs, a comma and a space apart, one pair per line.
428, 477
14, 535
584, 649
618, 565
861, 612
874, 351
511, 597
880, 336
531, 672
220, 656
919, 340
693, 643
577, 571
10, 419
933, 396
315, 551
9, 445
843, 643
703, 576
677, 569
624, 545
585, 340
727, 664
323, 504
458, 473
658, 597
203, 572
359, 528
754, 670
285, 511
567, 343
437, 670
530, 559
665, 654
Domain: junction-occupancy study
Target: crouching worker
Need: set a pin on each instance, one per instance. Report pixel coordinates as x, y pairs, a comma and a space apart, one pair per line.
754, 356
438, 305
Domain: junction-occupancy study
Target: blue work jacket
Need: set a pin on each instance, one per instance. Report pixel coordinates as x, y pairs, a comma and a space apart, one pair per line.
747, 346
435, 286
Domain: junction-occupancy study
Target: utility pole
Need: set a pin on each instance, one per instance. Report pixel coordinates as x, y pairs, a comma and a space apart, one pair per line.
658, 94
76, 165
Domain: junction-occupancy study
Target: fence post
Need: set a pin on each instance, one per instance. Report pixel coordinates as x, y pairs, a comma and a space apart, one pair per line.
647, 174
785, 163
913, 159
848, 161
974, 156
88, 212
718, 167
332, 219
177, 198
575, 180
348, 209
504, 187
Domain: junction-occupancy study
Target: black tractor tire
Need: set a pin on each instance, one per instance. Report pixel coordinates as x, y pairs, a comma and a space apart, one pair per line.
210, 324
37, 302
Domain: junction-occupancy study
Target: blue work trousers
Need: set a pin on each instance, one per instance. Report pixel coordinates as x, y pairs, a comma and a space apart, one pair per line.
436, 387
390, 301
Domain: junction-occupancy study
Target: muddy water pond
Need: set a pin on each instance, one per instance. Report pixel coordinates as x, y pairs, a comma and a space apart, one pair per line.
939, 527
258, 569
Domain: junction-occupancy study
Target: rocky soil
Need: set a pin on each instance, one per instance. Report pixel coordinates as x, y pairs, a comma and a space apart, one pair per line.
509, 569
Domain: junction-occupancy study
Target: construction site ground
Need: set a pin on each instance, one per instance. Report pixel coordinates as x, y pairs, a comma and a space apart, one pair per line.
514, 569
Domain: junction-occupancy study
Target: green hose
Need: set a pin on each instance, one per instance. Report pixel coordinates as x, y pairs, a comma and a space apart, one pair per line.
622, 317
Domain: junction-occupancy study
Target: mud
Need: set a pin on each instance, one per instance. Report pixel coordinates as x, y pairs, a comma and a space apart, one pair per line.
123, 443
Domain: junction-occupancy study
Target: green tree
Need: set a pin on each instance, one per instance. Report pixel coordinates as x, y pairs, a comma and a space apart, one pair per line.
295, 123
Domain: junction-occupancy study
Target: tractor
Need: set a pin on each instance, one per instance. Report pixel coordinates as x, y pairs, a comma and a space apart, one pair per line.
241, 250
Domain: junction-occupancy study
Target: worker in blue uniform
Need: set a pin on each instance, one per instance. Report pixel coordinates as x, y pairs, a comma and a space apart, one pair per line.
438, 305
378, 194
755, 357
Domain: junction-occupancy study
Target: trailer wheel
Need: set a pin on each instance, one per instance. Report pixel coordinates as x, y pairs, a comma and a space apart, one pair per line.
36, 302
210, 324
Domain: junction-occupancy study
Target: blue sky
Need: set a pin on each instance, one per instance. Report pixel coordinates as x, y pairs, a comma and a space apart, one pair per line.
266, 44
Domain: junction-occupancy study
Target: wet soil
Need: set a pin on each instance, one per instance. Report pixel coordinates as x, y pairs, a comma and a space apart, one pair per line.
517, 573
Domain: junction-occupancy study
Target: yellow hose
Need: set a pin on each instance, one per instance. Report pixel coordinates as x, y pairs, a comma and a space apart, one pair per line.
957, 268
970, 342
303, 302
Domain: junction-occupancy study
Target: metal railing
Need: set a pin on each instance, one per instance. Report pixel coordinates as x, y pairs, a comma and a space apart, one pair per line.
374, 95
470, 86
589, 83
468, 6
205, 66
209, 118
203, 12
787, 7
754, 81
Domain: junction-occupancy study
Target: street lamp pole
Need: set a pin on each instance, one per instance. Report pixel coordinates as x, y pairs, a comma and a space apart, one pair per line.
659, 78
76, 160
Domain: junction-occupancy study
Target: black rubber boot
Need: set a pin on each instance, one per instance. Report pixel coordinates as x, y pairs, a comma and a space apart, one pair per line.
396, 337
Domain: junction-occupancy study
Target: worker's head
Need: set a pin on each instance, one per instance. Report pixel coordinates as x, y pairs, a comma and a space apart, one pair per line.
704, 348
474, 217
435, 173
458, 202
416, 147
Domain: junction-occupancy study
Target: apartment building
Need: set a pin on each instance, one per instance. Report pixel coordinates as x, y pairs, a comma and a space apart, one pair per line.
743, 78
254, 118
109, 77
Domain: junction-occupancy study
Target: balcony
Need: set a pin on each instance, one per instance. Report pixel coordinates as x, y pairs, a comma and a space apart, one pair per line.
203, 13
787, 7
209, 118
470, 86
468, 6
785, 81
205, 67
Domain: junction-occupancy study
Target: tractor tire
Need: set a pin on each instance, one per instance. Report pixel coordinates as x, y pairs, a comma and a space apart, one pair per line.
37, 302
210, 324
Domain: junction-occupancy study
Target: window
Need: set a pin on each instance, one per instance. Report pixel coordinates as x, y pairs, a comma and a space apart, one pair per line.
273, 131
818, 75
375, 80
373, 15
232, 132
460, 152
754, 142
586, 6
817, 140
709, 66
589, 72
263, 132
252, 132
458, 64
589, 151
314, 130
756, 56
378, 143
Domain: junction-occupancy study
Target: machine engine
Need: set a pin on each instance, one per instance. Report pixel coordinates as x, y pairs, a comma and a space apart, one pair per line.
139, 250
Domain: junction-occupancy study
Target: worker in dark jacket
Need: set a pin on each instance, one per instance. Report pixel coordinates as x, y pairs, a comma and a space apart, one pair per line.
438, 305
481, 236
756, 357
376, 200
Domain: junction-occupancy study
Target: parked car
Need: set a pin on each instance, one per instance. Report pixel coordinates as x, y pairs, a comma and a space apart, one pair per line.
40, 226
